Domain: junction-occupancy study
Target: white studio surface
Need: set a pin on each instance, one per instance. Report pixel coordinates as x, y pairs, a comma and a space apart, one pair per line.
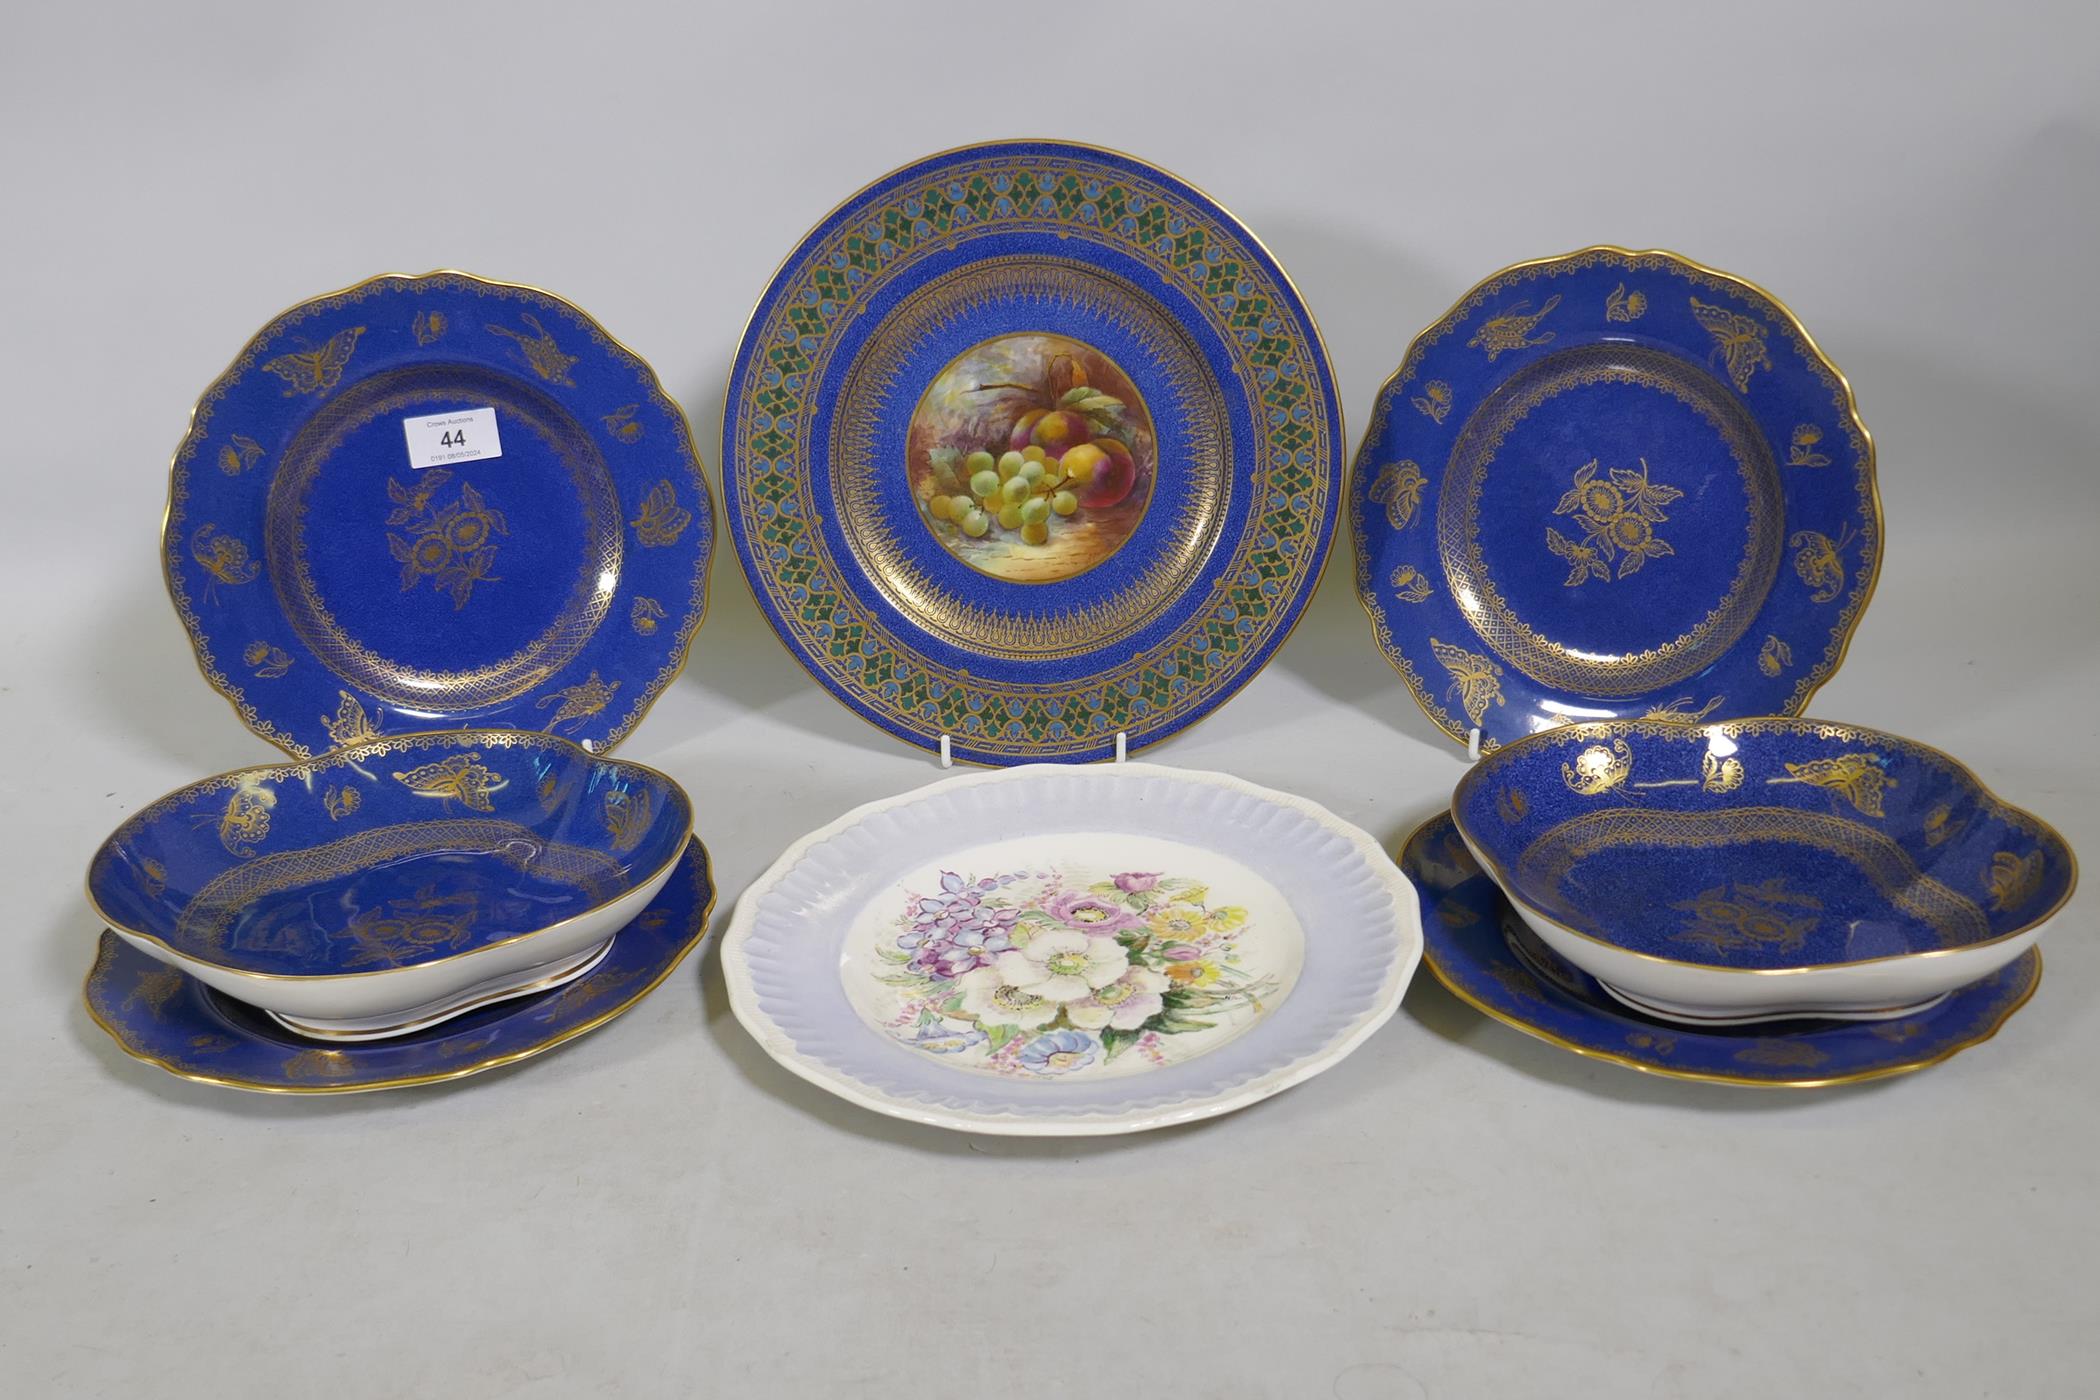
659, 1209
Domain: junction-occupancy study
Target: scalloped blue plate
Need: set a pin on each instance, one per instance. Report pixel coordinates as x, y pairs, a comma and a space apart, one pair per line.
336, 585
1479, 949
1028, 444
1614, 485
158, 1015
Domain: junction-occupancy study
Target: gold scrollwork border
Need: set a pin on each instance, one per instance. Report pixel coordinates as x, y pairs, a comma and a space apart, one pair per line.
1548, 859
285, 529
888, 563
1523, 646
211, 912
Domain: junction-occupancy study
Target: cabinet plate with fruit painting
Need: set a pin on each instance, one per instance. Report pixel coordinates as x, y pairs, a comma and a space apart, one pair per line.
1030, 444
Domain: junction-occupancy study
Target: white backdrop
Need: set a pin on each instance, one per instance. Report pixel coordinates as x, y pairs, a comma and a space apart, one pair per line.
657, 1210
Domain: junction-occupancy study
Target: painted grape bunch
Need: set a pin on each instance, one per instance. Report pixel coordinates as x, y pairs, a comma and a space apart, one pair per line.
1059, 458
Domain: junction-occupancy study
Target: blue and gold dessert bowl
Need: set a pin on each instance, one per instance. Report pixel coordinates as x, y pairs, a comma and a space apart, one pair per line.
1762, 868
386, 886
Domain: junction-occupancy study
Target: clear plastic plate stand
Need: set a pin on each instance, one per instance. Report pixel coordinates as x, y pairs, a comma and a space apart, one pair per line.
1122, 748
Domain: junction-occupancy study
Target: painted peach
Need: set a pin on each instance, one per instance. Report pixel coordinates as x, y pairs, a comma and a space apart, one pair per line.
1058, 431
1019, 439
1114, 475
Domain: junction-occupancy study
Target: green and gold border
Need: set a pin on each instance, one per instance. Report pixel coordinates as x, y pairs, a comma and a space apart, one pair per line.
810, 295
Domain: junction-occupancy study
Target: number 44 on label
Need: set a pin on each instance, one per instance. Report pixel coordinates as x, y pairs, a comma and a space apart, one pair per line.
443, 439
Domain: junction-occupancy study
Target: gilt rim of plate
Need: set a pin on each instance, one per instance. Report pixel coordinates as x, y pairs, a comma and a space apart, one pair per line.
1596, 1027
994, 721
1437, 686
666, 638
641, 958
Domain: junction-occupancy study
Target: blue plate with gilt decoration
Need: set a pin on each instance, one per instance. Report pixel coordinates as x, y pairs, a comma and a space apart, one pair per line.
158, 1015
1614, 485
1029, 444
1482, 951
434, 502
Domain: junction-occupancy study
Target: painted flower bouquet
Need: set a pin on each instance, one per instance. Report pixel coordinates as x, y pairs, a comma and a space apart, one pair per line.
1044, 973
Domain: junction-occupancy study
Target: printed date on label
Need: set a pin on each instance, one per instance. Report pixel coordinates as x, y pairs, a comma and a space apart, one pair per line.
445, 439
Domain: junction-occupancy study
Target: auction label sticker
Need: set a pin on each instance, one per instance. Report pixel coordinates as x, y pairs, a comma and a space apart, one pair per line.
441, 439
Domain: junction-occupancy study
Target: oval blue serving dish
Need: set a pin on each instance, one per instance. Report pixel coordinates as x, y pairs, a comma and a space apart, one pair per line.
1759, 868
387, 885
1483, 953
160, 1017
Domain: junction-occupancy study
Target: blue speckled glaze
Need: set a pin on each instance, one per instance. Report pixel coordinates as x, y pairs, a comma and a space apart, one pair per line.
556, 586
162, 1017
387, 855
1501, 609
1153, 253
1759, 843
1478, 948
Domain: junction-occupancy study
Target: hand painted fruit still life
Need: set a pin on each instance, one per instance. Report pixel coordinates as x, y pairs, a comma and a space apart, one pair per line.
1031, 458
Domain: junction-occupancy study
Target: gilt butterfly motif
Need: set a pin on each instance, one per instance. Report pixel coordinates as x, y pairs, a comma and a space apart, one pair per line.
315, 371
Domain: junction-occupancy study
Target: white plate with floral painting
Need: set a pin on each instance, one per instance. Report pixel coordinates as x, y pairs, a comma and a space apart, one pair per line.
1061, 950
